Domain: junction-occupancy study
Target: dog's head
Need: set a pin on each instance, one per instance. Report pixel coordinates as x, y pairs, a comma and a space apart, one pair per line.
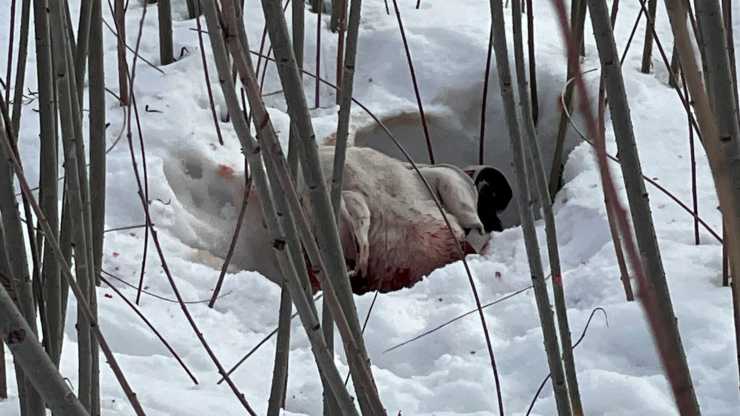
494, 195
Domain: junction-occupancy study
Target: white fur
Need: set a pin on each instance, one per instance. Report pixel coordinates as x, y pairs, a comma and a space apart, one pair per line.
391, 228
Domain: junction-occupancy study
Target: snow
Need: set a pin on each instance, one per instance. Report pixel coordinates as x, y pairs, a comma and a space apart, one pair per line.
448, 372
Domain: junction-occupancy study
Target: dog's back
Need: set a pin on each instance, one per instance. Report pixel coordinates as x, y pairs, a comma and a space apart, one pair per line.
392, 231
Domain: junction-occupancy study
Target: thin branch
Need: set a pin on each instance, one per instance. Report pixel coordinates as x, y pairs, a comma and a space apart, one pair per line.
232, 245
209, 89
415, 82
547, 321
532, 155
52, 242
151, 326
455, 319
484, 101
260, 343
583, 335
647, 179
156, 296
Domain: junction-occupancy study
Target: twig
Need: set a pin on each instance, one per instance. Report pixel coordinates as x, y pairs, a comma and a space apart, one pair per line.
209, 89
346, 80
317, 95
537, 173
286, 247
583, 335
259, 344
484, 101
328, 247
657, 305
455, 319
52, 242
11, 35
156, 296
232, 245
143, 190
532, 63
124, 228
415, 82
433, 195
648, 179
547, 321
578, 17
160, 252
20, 71
149, 324
364, 324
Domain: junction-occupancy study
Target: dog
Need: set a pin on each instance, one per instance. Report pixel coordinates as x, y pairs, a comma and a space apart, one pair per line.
392, 232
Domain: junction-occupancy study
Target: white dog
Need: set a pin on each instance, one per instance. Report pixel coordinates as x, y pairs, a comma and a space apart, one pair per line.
392, 232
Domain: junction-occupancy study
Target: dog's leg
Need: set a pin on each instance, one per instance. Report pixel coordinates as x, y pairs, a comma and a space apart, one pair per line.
456, 194
356, 215
459, 197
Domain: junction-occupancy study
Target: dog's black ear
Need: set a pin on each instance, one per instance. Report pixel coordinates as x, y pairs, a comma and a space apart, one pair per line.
494, 195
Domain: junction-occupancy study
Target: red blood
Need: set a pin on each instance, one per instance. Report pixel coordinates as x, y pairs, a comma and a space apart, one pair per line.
225, 171
557, 279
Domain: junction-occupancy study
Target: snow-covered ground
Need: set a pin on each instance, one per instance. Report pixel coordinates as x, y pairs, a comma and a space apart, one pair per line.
446, 373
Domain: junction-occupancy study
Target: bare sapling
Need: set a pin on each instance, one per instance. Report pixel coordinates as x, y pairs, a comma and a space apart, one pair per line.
328, 236
539, 178
484, 100
97, 140
415, 83
76, 187
119, 17
305, 308
547, 320
20, 71
578, 19
722, 99
30, 355
646, 264
30, 402
344, 99
363, 380
49, 189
